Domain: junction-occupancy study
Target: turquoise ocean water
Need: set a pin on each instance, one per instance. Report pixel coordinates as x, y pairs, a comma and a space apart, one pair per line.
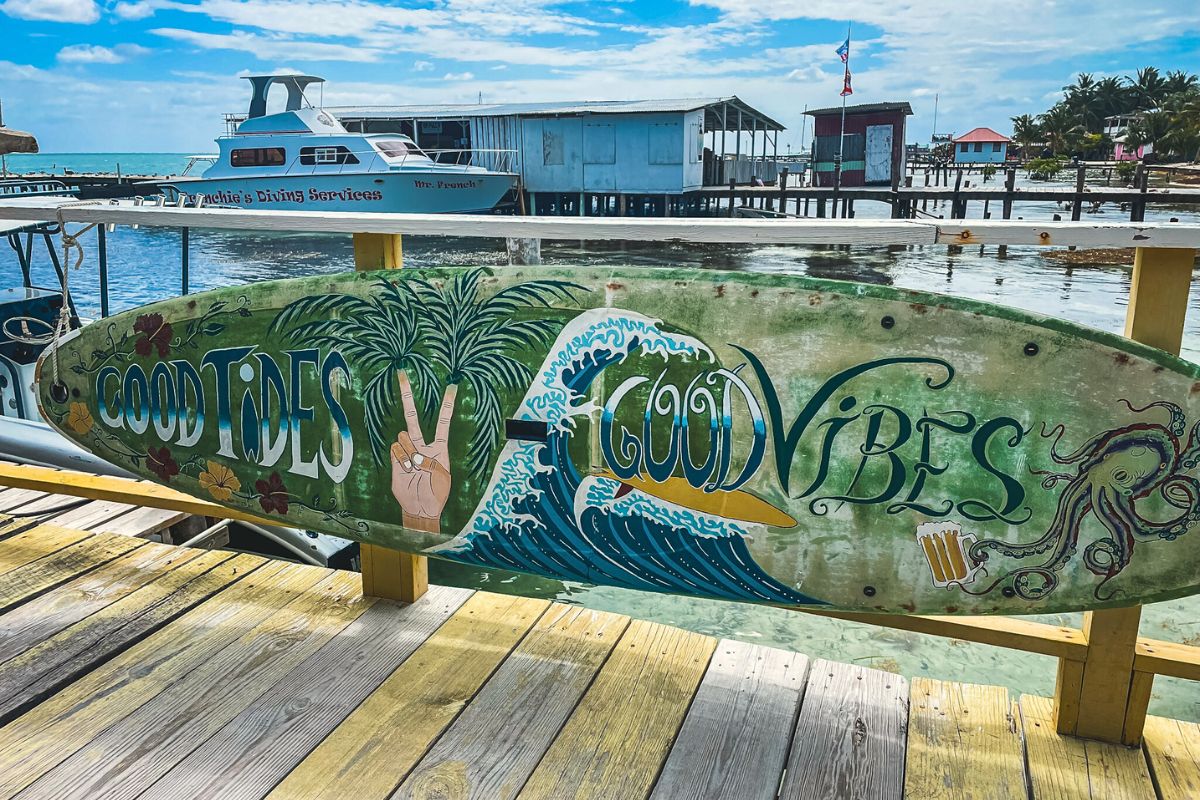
144, 266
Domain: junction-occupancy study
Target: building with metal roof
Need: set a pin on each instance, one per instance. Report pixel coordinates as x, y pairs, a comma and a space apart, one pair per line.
647, 147
858, 145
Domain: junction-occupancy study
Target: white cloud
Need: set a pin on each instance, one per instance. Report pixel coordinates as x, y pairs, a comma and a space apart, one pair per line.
264, 46
458, 76
422, 66
96, 54
80, 11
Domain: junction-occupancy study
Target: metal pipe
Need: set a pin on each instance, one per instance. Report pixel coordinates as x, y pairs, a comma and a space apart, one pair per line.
102, 255
206, 534
184, 253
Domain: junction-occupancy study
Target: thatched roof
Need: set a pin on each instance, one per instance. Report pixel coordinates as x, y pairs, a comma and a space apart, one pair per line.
12, 141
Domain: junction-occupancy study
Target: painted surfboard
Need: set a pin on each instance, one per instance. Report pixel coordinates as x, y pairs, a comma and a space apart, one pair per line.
752, 437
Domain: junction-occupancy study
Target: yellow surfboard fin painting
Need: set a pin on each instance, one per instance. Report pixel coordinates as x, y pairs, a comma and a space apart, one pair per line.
738, 505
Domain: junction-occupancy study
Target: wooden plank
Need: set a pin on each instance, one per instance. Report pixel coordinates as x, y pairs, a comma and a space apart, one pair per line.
87, 517
500, 737
142, 522
122, 490
27, 581
1156, 311
849, 740
37, 542
49, 733
15, 498
266, 741
392, 574
46, 504
963, 741
368, 755
1158, 300
734, 741
124, 760
1173, 750
615, 743
387, 572
44, 616
1012, 632
1070, 768
1083, 234
1167, 658
32, 676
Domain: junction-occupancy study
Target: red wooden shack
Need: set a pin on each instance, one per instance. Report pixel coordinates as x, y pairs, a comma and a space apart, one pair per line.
873, 150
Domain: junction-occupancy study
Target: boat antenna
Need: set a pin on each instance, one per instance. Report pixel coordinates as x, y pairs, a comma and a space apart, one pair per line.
935, 105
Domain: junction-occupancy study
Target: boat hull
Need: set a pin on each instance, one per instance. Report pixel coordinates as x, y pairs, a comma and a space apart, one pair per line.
763, 438
411, 192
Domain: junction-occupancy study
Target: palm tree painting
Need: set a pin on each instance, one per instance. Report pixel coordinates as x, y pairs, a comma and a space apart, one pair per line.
421, 342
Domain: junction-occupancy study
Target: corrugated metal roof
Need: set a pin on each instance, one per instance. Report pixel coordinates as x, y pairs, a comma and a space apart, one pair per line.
459, 111
861, 108
982, 135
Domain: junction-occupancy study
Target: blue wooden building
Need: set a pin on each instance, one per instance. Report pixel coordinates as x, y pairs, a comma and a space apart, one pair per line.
981, 146
605, 148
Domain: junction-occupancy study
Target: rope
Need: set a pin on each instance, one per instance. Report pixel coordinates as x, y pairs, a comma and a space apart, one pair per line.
70, 241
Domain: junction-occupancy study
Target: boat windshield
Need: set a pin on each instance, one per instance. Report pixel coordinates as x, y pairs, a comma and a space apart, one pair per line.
397, 149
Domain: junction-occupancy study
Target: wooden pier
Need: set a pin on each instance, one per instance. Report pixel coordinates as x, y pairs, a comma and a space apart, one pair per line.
133, 669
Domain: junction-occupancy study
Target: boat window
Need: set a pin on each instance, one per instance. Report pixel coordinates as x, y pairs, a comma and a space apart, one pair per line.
397, 148
257, 157
337, 154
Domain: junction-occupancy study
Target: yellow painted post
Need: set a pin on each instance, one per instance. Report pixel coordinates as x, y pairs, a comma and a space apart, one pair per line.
386, 572
1103, 697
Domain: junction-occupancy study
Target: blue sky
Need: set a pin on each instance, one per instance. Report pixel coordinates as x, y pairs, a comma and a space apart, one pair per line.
155, 75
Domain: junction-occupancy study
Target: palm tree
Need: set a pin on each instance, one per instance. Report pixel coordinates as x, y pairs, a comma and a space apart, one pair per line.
1061, 128
1148, 87
474, 341
1179, 82
1080, 97
438, 335
1026, 133
1112, 96
1148, 129
380, 335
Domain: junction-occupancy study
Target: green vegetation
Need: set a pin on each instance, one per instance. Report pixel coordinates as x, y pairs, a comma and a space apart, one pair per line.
1045, 169
1126, 170
1167, 111
989, 172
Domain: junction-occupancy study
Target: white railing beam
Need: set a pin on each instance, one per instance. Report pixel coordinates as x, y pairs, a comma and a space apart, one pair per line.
862, 232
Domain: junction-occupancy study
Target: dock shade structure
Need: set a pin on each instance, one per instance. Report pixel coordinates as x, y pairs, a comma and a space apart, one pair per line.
981, 146
16, 142
872, 151
664, 147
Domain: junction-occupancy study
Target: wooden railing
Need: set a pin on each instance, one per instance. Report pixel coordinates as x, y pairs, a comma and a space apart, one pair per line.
1105, 671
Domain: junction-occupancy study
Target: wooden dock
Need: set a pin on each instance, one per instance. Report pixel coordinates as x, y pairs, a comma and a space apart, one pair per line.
134, 669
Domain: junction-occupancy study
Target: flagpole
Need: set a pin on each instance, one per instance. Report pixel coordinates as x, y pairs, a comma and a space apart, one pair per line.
837, 171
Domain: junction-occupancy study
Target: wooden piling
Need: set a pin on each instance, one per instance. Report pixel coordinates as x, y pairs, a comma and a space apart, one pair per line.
387, 572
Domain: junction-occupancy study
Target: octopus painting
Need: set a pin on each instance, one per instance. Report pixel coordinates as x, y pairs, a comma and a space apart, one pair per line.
1111, 475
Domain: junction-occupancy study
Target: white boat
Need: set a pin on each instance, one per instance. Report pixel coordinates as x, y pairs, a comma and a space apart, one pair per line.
302, 158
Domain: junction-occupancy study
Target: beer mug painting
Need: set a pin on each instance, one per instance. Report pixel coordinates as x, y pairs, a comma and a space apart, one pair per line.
946, 551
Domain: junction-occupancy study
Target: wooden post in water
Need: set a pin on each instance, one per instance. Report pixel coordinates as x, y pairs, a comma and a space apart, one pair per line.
386, 572
1010, 183
783, 179
955, 213
1077, 202
1137, 209
732, 195
1103, 697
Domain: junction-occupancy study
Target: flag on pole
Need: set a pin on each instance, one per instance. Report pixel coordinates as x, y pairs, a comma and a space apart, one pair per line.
846, 90
844, 51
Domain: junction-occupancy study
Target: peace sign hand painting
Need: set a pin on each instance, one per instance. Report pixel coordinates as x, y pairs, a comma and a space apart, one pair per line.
420, 469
